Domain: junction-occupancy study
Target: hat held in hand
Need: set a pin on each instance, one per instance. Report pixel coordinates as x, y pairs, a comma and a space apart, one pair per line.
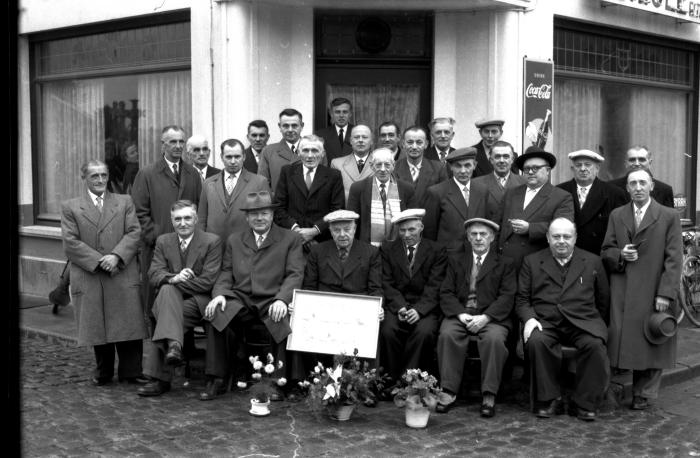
659, 327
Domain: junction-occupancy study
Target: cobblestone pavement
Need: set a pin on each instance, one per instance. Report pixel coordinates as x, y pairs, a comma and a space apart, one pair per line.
64, 415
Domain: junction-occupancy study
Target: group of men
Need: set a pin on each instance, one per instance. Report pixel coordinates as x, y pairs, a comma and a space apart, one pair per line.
455, 258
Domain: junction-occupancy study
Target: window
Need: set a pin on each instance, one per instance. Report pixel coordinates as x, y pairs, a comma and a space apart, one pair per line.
105, 95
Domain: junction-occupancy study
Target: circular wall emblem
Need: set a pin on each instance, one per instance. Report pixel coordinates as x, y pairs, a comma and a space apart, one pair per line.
373, 35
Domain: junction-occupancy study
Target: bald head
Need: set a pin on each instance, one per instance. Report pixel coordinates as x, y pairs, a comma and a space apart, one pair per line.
561, 236
361, 140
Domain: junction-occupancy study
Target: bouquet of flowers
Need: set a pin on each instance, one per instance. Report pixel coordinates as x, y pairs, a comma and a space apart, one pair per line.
264, 382
416, 389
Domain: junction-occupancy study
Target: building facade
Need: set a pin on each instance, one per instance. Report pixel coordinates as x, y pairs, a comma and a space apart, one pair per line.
97, 80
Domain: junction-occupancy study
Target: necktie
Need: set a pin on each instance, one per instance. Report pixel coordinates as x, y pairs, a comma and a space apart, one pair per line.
229, 184
442, 156
183, 245
175, 170
637, 218
98, 201
260, 240
411, 249
502, 181
478, 265
294, 150
582, 192
471, 298
340, 138
465, 192
414, 173
201, 172
343, 254
360, 165
308, 179
382, 194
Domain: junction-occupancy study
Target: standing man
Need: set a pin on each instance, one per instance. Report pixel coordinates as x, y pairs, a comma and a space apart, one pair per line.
224, 194
594, 199
501, 179
389, 136
441, 133
643, 250
261, 268
258, 135
101, 237
415, 168
490, 131
307, 191
156, 187
639, 158
476, 299
277, 155
336, 138
412, 271
529, 208
354, 167
450, 203
563, 298
184, 268
378, 198
198, 151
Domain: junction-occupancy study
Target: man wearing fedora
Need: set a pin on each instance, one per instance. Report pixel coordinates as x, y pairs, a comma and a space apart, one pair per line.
476, 298
262, 266
563, 299
643, 251
594, 199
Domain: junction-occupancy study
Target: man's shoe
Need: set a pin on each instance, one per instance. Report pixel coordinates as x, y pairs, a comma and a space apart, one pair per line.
445, 402
487, 410
585, 415
639, 403
154, 388
138, 380
215, 387
550, 409
174, 355
101, 381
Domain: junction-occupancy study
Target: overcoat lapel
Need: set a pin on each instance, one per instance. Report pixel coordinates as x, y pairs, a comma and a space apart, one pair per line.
241, 184
399, 256
549, 267
650, 217
353, 261
540, 199
298, 179
455, 196
594, 201
419, 257
172, 251
486, 266
109, 210
575, 270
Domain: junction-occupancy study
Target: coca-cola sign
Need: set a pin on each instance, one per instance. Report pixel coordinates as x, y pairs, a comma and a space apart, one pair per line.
543, 91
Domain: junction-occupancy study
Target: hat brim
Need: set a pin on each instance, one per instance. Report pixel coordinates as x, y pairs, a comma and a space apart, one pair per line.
657, 339
549, 157
261, 207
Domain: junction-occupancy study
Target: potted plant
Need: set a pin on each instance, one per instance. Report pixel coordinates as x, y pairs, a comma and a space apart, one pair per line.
264, 384
417, 391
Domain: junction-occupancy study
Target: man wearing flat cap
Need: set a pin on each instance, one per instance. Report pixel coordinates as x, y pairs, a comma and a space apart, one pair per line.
260, 270
490, 130
412, 270
476, 298
529, 208
594, 199
449, 203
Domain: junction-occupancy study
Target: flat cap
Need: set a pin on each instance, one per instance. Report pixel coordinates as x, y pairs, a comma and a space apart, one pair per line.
461, 153
409, 213
586, 153
535, 151
489, 122
340, 215
484, 221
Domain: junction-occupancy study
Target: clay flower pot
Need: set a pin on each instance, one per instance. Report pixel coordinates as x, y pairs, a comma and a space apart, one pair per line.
342, 412
259, 409
417, 417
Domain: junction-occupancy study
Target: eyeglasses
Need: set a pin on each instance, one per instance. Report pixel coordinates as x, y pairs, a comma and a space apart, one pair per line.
533, 168
197, 150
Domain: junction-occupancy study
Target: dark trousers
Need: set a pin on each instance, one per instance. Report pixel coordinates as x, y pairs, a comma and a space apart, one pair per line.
592, 365
407, 346
130, 353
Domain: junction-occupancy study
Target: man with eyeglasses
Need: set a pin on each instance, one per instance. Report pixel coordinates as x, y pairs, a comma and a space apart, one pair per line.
529, 208
198, 151
639, 158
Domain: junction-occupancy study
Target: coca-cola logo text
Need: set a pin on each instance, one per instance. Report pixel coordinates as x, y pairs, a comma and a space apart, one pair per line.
538, 92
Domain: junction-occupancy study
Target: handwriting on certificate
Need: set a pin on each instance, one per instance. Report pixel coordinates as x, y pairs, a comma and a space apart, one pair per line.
335, 323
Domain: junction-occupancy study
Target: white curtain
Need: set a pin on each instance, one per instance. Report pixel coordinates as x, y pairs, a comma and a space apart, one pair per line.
73, 132
164, 99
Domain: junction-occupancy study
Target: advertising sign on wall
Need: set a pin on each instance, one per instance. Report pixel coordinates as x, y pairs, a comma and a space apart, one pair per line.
537, 104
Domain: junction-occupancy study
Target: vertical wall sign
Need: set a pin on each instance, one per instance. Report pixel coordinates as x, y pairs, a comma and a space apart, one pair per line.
538, 119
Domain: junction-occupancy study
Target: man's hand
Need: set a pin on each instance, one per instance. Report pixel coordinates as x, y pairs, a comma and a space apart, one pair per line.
520, 226
477, 322
109, 262
307, 233
401, 314
464, 318
277, 310
213, 304
412, 316
629, 253
529, 327
662, 304
184, 275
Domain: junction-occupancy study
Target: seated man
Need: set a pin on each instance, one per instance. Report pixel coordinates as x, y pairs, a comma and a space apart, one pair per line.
563, 298
476, 298
260, 270
184, 268
412, 271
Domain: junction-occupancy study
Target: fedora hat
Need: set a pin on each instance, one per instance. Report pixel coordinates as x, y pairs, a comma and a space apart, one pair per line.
659, 327
535, 151
258, 201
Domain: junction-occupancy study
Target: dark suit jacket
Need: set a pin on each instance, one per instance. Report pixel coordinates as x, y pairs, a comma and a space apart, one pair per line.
495, 285
495, 193
431, 172
583, 298
249, 163
360, 274
417, 288
431, 153
297, 205
662, 192
211, 171
360, 201
592, 220
549, 203
483, 165
446, 211
331, 144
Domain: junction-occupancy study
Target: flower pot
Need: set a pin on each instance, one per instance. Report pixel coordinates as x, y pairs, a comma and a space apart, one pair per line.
417, 417
342, 412
259, 409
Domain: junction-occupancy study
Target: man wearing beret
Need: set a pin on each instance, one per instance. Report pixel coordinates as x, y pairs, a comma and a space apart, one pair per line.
449, 203
639, 158
412, 270
529, 208
594, 199
476, 298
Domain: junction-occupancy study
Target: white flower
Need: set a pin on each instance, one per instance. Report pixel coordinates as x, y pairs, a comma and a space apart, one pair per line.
241, 385
257, 376
257, 365
280, 364
269, 369
330, 392
317, 369
282, 381
252, 359
317, 380
270, 358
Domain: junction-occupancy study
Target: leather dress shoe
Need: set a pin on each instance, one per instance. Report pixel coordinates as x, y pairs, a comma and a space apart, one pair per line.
214, 388
488, 410
138, 380
101, 381
639, 403
154, 388
585, 415
553, 407
445, 402
174, 355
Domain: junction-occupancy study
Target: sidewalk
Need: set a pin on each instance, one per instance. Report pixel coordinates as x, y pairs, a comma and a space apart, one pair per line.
36, 319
